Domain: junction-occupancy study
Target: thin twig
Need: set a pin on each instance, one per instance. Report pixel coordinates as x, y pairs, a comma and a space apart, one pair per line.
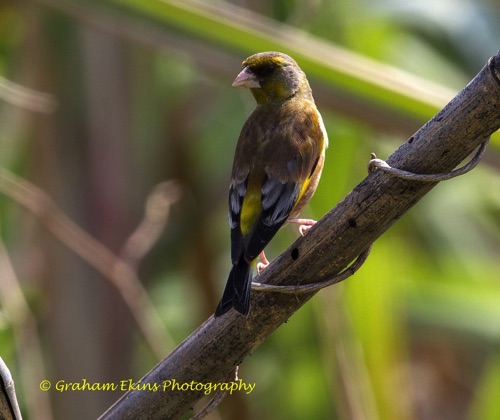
314, 287
156, 212
375, 164
120, 274
26, 98
217, 398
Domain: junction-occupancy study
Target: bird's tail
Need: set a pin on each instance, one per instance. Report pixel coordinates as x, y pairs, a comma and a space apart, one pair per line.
237, 292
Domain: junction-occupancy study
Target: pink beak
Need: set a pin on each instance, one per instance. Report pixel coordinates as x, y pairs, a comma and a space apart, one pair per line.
246, 79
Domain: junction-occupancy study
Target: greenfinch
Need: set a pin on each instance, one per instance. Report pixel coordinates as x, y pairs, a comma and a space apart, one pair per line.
277, 165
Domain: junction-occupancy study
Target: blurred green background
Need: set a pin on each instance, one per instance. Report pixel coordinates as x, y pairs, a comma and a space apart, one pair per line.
135, 92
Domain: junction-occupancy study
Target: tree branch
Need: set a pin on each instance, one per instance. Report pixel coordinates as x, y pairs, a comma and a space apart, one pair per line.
218, 345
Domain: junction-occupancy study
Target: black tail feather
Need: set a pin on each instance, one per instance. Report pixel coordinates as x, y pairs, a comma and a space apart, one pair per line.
237, 292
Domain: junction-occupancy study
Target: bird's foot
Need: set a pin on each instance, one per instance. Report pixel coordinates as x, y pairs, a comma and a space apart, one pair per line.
305, 224
264, 262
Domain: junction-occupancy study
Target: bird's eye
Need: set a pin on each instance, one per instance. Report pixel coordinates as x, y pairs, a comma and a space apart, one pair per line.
265, 70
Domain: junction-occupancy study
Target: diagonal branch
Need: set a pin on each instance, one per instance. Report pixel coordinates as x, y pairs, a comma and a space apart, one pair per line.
211, 352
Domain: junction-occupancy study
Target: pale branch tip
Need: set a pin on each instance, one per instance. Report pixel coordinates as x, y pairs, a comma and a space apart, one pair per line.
9, 407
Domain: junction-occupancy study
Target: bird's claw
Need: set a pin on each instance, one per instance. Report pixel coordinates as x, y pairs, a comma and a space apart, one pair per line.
305, 224
264, 262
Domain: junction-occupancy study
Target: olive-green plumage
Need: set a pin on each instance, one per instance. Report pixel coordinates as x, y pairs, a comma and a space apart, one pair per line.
277, 164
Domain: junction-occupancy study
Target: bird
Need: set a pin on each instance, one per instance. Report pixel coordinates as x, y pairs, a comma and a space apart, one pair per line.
277, 165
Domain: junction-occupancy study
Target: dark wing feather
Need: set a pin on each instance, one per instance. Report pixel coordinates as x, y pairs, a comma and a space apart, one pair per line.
278, 201
236, 194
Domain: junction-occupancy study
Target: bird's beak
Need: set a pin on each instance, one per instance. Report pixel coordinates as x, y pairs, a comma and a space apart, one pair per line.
246, 79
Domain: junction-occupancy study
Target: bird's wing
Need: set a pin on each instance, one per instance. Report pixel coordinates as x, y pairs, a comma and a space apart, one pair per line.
278, 200
270, 212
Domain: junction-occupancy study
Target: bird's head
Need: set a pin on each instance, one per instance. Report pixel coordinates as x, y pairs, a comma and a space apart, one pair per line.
272, 77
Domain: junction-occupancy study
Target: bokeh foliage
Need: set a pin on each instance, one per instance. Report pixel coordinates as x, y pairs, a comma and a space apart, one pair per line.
144, 95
